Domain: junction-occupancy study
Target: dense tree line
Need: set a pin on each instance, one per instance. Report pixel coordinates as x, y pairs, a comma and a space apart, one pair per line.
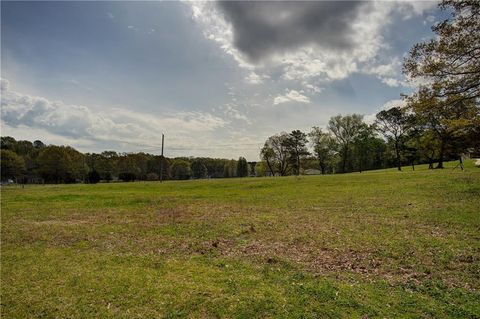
24, 161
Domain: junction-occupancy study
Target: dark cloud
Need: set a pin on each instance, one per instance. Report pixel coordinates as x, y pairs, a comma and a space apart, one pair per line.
262, 28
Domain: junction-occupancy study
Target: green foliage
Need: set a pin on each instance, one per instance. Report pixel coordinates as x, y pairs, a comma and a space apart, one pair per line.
160, 166
260, 169
61, 164
324, 148
276, 154
297, 147
346, 130
395, 124
12, 165
447, 106
199, 170
8, 143
451, 123
230, 169
242, 167
181, 169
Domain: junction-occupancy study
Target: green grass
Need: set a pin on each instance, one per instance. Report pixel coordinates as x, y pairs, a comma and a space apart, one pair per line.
380, 244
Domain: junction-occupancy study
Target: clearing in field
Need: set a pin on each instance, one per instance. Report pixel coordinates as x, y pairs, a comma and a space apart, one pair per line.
376, 244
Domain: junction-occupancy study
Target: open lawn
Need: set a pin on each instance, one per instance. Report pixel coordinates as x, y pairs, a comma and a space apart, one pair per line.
380, 244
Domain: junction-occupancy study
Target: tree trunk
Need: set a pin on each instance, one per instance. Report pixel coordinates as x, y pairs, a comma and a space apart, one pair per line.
298, 165
440, 155
397, 153
345, 153
322, 169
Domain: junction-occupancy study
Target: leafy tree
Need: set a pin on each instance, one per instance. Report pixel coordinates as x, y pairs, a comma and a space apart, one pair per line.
199, 170
450, 62
61, 164
324, 147
448, 119
260, 169
159, 165
242, 167
108, 165
296, 143
12, 165
394, 125
276, 153
368, 149
129, 165
181, 169
8, 143
251, 166
230, 169
346, 129
24, 148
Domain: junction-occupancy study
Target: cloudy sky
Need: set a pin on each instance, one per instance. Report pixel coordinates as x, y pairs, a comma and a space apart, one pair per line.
217, 78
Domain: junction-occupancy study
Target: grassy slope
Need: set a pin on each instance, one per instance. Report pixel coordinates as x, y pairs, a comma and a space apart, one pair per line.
377, 244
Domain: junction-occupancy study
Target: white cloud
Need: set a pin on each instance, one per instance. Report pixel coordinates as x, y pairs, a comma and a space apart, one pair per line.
254, 78
112, 124
231, 112
291, 96
388, 73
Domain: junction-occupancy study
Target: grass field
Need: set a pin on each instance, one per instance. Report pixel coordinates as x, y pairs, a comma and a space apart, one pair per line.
381, 244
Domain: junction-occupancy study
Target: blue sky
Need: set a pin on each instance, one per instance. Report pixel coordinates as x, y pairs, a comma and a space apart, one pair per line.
216, 78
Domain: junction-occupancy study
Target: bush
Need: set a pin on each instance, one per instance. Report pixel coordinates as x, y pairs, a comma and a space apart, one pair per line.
93, 177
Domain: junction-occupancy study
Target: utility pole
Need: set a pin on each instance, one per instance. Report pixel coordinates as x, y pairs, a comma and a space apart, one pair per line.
161, 161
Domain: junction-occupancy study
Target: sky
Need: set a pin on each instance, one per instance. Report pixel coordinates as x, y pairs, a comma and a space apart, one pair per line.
217, 78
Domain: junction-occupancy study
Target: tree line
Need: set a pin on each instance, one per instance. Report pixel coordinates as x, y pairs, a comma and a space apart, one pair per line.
24, 161
399, 136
